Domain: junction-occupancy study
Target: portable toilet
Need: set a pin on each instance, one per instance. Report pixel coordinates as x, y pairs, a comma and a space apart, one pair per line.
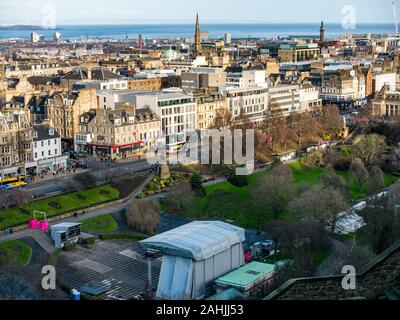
75, 295
33, 224
44, 225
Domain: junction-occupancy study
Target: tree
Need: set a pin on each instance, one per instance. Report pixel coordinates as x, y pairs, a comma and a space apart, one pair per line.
196, 183
357, 256
273, 192
223, 119
85, 179
236, 180
329, 118
322, 204
143, 215
13, 198
370, 149
336, 182
358, 173
380, 216
376, 180
298, 241
179, 199
278, 129
9, 263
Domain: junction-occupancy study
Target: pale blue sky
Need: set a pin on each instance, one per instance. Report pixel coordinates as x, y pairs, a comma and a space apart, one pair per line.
179, 11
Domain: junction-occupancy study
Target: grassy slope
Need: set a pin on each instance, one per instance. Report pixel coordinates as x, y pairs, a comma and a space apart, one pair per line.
18, 247
104, 223
234, 204
68, 202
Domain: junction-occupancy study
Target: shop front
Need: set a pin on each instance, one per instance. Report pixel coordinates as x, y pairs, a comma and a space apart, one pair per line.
9, 172
31, 168
117, 152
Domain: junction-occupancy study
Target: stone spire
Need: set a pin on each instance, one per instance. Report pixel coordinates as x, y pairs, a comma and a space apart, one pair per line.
322, 32
197, 38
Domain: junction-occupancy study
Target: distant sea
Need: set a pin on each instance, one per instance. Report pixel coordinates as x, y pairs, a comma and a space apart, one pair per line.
165, 31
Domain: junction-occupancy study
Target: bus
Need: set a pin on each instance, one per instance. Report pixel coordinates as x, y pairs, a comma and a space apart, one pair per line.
13, 182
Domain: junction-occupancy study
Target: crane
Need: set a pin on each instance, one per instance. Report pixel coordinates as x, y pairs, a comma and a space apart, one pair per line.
395, 15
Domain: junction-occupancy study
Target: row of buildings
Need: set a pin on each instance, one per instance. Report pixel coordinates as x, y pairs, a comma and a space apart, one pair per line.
116, 100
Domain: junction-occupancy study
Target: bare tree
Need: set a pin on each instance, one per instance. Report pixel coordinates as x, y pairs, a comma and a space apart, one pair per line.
321, 204
329, 118
358, 173
143, 215
335, 181
179, 199
273, 192
13, 198
370, 149
10, 264
357, 256
376, 180
85, 179
222, 120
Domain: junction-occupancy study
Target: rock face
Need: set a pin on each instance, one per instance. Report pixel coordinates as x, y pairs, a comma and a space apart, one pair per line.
378, 280
164, 172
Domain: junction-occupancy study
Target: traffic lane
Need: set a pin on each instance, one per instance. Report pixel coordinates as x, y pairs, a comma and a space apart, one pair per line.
61, 184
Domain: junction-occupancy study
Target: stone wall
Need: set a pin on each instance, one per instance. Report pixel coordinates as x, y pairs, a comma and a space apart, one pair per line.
375, 281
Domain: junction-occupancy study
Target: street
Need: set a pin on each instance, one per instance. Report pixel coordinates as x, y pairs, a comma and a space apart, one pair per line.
59, 184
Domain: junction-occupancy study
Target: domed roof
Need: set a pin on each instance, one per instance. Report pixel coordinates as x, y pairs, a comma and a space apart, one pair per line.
169, 54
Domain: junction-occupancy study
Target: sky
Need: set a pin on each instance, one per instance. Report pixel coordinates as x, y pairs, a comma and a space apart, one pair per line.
63, 12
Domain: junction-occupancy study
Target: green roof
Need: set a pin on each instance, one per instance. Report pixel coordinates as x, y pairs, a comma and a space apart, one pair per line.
247, 274
229, 294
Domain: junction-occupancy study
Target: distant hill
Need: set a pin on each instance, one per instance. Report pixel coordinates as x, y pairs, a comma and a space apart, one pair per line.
22, 27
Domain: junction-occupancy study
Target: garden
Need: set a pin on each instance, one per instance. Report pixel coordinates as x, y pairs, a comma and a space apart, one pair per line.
233, 203
58, 205
158, 185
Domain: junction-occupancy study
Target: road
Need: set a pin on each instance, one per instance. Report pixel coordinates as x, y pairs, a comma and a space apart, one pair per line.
59, 184
88, 214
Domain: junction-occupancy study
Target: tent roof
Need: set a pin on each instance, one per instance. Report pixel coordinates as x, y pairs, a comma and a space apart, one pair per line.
197, 240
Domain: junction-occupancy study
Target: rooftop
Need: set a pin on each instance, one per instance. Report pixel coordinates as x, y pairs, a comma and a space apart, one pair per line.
247, 274
197, 240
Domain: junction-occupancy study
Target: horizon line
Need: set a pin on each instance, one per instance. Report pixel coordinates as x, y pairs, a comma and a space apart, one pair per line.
184, 22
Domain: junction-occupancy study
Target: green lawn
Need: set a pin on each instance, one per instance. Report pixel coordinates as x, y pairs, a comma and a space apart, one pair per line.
69, 202
105, 223
320, 256
227, 202
16, 247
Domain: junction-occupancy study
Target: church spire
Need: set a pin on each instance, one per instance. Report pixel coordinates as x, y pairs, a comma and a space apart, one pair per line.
322, 32
197, 37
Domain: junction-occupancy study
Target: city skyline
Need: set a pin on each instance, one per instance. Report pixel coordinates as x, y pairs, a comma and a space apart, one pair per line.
131, 12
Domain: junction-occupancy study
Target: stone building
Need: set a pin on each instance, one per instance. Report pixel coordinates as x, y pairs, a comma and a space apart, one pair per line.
15, 141
145, 84
79, 74
386, 103
295, 52
117, 133
250, 102
341, 88
64, 110
203, 78
209, 104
